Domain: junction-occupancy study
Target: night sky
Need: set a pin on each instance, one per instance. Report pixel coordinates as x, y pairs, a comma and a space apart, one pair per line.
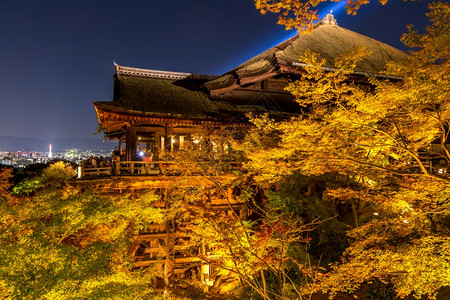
56, 57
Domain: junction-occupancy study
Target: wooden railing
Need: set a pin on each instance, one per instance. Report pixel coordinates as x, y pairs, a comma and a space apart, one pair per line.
143, 167
90, 171
136, 168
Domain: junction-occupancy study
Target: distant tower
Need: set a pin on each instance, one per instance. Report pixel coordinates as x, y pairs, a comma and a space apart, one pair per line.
50, 154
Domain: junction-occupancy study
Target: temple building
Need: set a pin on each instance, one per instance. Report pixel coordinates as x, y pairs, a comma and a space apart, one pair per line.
154, 113
163, 109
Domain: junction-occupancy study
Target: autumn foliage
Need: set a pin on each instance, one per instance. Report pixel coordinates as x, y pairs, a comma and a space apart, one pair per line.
385, 140
352, 194
59, 243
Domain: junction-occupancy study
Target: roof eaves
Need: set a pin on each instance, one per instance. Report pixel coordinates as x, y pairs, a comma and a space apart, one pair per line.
383, 76
128, 115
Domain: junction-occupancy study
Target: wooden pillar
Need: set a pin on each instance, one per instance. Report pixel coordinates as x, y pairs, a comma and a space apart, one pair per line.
167, 137
120, 146
131, 142
181, 141
81, 170
157, 149
169, 265
162, 146
205, 271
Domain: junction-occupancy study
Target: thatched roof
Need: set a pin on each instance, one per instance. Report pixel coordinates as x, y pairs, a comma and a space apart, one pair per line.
165, 97
144, 94
331, 41
327, 39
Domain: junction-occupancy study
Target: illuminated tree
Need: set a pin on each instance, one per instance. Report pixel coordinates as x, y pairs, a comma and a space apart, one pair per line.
387, 142
263, 254
59, 243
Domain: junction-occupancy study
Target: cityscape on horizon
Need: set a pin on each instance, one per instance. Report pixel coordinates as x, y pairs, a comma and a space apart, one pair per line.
21, 159
14, 144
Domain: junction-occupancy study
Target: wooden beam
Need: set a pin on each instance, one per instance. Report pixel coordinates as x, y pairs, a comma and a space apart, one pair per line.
180, 260
247, 80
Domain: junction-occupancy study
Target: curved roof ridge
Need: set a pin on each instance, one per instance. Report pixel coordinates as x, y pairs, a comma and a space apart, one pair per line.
329, 41
267, 54
122, 70
150, 73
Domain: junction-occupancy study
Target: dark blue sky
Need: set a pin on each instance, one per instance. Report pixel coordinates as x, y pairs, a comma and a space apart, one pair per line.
56, 57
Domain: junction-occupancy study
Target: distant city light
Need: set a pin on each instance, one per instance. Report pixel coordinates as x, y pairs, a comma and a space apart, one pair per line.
21, 159
50, 154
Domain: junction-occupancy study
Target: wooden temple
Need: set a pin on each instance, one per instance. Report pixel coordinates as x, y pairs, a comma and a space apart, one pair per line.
155, 113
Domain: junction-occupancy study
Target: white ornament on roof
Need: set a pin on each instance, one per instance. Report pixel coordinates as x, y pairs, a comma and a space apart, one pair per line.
329, 19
